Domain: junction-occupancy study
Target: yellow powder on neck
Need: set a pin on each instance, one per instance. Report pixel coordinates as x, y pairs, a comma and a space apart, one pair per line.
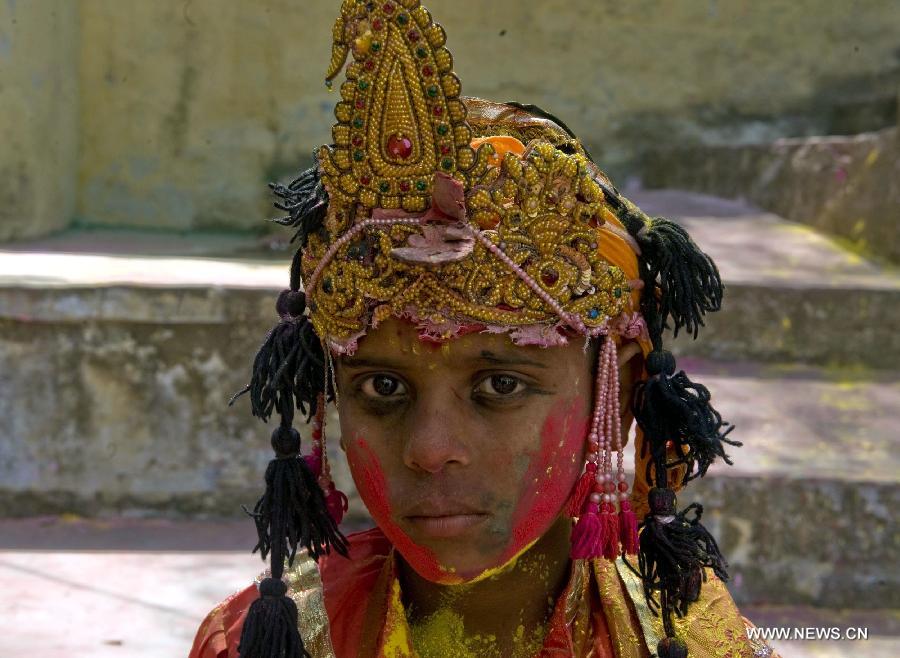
444, 634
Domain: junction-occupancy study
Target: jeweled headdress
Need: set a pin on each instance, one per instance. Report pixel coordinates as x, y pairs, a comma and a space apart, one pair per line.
461, 215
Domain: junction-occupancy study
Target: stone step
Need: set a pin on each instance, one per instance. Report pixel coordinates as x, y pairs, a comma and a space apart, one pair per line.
807, 513
169, 574
117, 369
792, 293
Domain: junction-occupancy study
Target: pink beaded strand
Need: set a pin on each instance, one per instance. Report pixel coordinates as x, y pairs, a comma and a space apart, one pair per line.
589, 535
357, 228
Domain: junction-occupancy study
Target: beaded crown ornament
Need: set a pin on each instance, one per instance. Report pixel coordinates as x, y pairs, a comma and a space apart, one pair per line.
460, 215
421, 225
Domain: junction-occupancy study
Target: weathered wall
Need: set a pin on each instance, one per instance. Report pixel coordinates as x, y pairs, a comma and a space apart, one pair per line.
38, 116
847, 186
189, 107
118, 401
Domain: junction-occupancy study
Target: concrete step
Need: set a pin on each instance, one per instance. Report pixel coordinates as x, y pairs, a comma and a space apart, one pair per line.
169, 574
792, 293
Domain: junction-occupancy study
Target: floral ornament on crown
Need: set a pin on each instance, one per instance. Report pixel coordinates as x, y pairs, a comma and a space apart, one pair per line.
422, 226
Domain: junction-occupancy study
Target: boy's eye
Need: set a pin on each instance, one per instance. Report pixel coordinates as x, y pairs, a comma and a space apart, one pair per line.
383, 386
500, 385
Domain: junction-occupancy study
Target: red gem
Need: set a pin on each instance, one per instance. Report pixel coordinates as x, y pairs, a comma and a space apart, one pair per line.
413, 35
549, 277
445, 150
388, 8
370, 64
357, 141
377, 24
360, 103
438, 110
399, 147
404, 186
365, 179
427, 71
623, 487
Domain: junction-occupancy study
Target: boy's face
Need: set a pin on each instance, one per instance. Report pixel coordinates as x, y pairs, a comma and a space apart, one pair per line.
464, 452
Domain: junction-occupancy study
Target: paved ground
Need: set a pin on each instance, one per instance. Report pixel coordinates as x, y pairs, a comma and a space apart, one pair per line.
145, 593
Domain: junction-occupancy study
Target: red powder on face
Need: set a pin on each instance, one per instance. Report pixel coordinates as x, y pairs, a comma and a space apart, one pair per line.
550, 476
548, 482
373, 489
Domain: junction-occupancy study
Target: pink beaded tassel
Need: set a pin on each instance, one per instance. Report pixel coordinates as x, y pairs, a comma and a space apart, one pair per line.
600, 530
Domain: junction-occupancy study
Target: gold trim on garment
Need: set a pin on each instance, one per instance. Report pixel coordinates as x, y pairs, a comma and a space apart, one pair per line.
305, 588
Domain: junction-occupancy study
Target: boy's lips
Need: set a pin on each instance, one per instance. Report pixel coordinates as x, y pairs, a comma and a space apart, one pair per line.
443, 518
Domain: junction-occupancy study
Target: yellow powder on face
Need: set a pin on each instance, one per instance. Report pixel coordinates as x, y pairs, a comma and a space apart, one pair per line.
503, 568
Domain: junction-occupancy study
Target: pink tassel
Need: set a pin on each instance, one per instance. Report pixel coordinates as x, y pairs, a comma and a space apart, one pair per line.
582, 490
587, 536
629, 529
314, 462
337, 503
610, 531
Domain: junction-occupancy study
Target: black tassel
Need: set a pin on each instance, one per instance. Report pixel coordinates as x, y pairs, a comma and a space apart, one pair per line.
671, 647
306, 202
674, 550
270, 627
669, 407
688, 280
293, 511
289, 366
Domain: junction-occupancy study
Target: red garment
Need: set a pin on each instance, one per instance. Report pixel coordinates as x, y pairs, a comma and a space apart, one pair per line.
356, 594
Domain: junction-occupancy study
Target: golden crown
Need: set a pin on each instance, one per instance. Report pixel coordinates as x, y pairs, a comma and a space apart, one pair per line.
425, 223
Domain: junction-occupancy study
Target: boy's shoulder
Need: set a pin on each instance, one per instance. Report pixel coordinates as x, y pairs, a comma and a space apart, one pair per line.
345, 582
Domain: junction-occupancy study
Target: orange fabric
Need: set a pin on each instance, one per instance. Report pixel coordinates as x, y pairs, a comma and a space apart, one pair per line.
220, 633
502, 145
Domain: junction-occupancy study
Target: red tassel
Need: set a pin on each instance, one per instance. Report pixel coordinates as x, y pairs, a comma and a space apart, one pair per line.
629, 528
610, 531
580, 495
587, 536
337, 503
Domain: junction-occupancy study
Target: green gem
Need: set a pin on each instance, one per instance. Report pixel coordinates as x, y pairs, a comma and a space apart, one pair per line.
432, 91
385, 187
358, 122
447, 163
617, 292
443, 129
363, 85
327, 286
358, 156
376, 47
422, 53
421, 185
403, 19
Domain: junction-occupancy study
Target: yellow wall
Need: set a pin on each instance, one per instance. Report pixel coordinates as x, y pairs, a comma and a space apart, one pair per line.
187, 107
38, 116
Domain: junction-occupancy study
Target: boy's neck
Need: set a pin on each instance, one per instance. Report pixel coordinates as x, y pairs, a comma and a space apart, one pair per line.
512, 606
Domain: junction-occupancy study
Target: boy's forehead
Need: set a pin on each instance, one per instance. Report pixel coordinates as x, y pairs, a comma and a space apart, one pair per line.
396, 339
